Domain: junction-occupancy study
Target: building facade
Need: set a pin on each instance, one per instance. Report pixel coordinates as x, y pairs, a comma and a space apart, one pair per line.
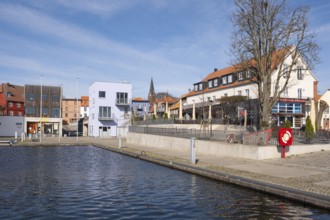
230, 93
140, 108
109, 108
11, 100
84, 107
71, 111
42, 110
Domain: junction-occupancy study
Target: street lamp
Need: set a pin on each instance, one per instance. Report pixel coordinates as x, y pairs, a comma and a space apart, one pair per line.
60, 115
40, 107
210, 115
77, 109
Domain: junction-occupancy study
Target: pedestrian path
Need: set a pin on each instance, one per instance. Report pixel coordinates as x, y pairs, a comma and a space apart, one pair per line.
305, 178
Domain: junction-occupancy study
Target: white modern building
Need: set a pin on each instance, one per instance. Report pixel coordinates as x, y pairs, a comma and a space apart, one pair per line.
109, 108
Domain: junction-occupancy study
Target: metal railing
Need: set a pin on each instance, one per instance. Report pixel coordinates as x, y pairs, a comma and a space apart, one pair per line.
261, 138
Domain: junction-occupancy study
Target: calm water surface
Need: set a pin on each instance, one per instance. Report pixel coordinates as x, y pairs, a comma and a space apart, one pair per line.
93, 183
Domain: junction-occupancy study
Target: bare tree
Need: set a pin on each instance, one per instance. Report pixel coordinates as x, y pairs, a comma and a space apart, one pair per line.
266, 33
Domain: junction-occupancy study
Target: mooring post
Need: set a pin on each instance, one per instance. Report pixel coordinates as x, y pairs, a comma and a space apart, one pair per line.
193, 150
119, 146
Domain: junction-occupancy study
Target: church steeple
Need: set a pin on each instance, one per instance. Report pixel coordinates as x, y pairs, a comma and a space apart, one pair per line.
152, 94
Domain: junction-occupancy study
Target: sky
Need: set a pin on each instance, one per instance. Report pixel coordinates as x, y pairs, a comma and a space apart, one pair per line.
177, 43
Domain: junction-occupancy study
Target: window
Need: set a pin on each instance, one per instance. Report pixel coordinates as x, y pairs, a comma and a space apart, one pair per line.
30, 111
247, 93
18, 105
44, 97
104, 112
215, 82
299, 73
56, 98
286, 92
289, 107
239, 92
20, 114
85, 109
101, 94
30, 97
285, 71
248, 74
196, 87
226, 94
11, 113
240, 76
10, 104
210, 84
66, 115
9, 94
45, 111
122, 97
299, 93
55, 113
224, 80
230, 78
200, 86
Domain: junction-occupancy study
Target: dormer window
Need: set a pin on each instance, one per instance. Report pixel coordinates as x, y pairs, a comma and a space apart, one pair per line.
248, 73
210, 84
215, 82
196, 87
224, 80
200, 86
241, 75
230, 78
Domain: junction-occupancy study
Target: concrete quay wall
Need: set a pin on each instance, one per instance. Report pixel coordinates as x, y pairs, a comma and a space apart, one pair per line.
221, 149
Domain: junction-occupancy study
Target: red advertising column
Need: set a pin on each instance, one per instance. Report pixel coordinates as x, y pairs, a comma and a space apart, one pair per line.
285, 139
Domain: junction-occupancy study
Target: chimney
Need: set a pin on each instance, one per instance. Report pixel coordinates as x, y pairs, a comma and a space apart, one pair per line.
215, 69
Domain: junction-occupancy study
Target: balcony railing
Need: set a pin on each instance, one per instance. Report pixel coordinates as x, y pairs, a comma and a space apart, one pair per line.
122, 101
105, 118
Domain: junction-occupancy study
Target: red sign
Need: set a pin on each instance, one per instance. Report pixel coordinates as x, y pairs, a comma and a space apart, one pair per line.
285, 137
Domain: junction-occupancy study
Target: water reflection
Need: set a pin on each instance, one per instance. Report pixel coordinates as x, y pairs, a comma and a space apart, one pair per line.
88, 182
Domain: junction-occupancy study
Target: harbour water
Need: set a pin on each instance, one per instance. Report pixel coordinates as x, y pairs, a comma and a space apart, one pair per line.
93, 183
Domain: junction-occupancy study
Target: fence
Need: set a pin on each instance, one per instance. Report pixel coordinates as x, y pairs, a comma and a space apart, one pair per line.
262, 138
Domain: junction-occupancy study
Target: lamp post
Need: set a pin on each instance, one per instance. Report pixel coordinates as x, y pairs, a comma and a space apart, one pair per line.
77, 109
60, 115
210, 115
40, 107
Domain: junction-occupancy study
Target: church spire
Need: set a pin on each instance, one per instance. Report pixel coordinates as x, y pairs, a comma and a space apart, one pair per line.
152, 94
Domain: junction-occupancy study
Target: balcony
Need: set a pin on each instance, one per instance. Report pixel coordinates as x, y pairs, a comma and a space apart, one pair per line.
105, 118
123, 101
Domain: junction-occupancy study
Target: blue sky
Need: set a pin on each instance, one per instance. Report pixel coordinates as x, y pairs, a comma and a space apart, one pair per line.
175, 42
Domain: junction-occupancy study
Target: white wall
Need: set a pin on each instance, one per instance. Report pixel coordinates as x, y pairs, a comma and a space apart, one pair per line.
10, 124
117, 112
220, 149
306, 83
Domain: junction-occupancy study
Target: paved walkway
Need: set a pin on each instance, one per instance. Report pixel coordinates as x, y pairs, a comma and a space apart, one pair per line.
305, 178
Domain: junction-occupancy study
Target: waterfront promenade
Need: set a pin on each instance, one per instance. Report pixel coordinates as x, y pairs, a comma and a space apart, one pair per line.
303, 178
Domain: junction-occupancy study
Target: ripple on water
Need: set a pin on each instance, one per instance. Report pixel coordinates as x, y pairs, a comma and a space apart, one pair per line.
88, 182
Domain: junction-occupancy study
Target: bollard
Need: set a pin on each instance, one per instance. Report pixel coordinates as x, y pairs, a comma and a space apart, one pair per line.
193, 150
119, 142
15, 135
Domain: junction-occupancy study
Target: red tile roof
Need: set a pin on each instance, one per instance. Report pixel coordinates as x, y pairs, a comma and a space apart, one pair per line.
277, 58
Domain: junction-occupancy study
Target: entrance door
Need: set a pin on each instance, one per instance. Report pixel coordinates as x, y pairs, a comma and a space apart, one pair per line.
104, 131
